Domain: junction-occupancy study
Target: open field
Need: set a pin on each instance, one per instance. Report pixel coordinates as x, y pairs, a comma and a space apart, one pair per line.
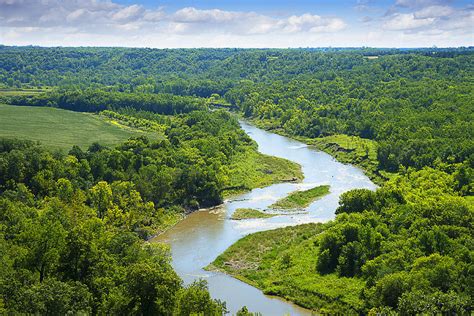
301, 199
61, 129
23, 92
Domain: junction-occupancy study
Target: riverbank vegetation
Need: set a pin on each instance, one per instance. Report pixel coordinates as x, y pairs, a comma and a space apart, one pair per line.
301, 199
402, 248
406, 117
248, 213
251, 169
73, 223
281, 262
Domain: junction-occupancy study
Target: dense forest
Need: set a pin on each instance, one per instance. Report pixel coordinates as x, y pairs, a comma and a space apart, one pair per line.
71, 223
410, 243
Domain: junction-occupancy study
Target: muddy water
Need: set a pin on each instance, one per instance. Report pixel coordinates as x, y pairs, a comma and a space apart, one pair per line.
202, 236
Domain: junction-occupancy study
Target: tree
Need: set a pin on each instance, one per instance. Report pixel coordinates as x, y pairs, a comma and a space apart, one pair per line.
356, 201
101, 197
195, 299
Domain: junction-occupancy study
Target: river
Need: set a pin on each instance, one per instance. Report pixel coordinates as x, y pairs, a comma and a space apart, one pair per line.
202, 236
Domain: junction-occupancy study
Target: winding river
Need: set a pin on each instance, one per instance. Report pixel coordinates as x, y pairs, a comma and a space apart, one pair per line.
202, 236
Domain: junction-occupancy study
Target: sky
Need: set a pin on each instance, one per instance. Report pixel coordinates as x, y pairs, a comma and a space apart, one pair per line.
244, 23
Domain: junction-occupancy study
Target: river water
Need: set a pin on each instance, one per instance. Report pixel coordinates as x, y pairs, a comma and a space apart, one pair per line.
202, 236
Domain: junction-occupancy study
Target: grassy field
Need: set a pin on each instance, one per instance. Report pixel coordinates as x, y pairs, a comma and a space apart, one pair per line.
61, 129
24, 92
282, 262
246, 213
301, 199
252, 169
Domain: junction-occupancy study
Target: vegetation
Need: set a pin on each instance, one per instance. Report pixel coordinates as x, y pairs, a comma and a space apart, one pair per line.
251, 169
401, 248
95, 100
70, 224
60, 130
247, 213
301, 199
282, 262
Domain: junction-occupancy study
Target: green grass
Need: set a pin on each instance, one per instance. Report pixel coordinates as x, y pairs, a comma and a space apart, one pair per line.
247, 213
251, 169
347, 149
23, 92
301, 199
282, 262
61, 129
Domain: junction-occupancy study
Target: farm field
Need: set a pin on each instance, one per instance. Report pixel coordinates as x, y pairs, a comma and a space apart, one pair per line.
61, 129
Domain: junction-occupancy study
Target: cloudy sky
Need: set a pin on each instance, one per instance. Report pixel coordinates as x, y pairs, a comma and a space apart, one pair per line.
244, 23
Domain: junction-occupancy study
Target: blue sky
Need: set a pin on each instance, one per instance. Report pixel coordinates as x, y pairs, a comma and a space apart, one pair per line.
245, 23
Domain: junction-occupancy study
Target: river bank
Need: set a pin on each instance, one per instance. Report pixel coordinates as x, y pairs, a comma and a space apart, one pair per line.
202, 236
353, 150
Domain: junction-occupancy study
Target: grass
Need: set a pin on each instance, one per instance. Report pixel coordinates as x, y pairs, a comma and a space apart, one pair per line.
347, 149
61, 129
247, 213
301, 199
282, 262
24, 92
251, 169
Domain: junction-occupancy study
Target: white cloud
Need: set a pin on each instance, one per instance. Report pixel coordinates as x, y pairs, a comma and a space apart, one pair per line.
131, 12
406, 21
311, 23
432, 19
434, 11
192, 20
193, 15
106, 23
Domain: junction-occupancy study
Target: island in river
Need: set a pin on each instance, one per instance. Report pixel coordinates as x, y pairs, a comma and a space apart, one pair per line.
201, 237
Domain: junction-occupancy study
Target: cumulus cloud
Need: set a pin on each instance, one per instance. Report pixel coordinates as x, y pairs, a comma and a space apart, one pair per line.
406, 22
193, 15
107, 23
428, 18
311, 23
239, 22
26, 13
93, 13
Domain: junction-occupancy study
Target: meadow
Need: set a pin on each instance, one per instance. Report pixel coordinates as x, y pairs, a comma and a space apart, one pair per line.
61, 129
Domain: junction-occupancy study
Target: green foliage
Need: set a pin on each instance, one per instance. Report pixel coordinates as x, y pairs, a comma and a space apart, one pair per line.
301, 199
282, 262
405, 248
95, 100
195, 300
245, 312
72, 225
246, 213
69, 224
356, 201
250, 169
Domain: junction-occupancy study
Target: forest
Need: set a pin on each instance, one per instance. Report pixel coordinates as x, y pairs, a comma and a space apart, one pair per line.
72, 224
